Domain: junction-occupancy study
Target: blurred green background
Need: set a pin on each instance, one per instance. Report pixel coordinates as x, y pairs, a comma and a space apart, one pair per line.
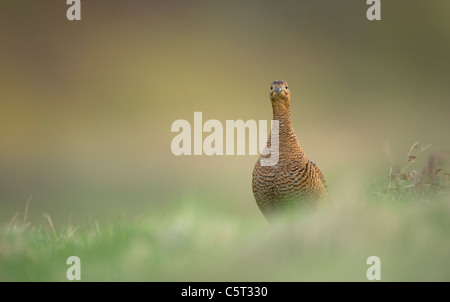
86, 106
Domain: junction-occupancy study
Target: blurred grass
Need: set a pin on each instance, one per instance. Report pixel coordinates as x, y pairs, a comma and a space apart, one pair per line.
198, 240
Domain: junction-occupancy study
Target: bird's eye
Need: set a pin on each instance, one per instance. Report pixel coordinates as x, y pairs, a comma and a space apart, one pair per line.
286, 87
271, 87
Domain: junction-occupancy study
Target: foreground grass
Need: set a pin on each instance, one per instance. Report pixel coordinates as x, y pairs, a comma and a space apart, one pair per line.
191, 242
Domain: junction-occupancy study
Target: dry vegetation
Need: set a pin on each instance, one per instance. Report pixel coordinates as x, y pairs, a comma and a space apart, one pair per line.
432, 179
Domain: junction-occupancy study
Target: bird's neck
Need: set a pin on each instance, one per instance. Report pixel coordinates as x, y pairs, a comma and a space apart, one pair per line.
282, 113
288, 142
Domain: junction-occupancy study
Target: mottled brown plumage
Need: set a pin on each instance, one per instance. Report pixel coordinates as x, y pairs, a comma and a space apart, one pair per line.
294, 180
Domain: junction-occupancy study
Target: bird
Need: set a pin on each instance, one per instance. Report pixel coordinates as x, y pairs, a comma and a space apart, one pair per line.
284, 177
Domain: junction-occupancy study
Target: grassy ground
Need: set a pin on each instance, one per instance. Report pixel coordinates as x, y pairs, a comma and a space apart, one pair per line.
193, 241
86, 110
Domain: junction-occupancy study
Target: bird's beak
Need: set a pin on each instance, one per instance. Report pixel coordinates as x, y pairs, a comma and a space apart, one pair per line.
277, 90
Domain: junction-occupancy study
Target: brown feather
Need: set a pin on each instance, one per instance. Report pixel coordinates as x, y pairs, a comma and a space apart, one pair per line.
294, 180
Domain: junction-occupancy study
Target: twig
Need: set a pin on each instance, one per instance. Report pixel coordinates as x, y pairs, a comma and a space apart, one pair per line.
72, 232
411, 158
49, 222
410, 150
26, 209
390, 180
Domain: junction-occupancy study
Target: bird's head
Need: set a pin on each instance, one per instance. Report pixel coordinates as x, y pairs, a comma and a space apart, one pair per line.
279, 93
